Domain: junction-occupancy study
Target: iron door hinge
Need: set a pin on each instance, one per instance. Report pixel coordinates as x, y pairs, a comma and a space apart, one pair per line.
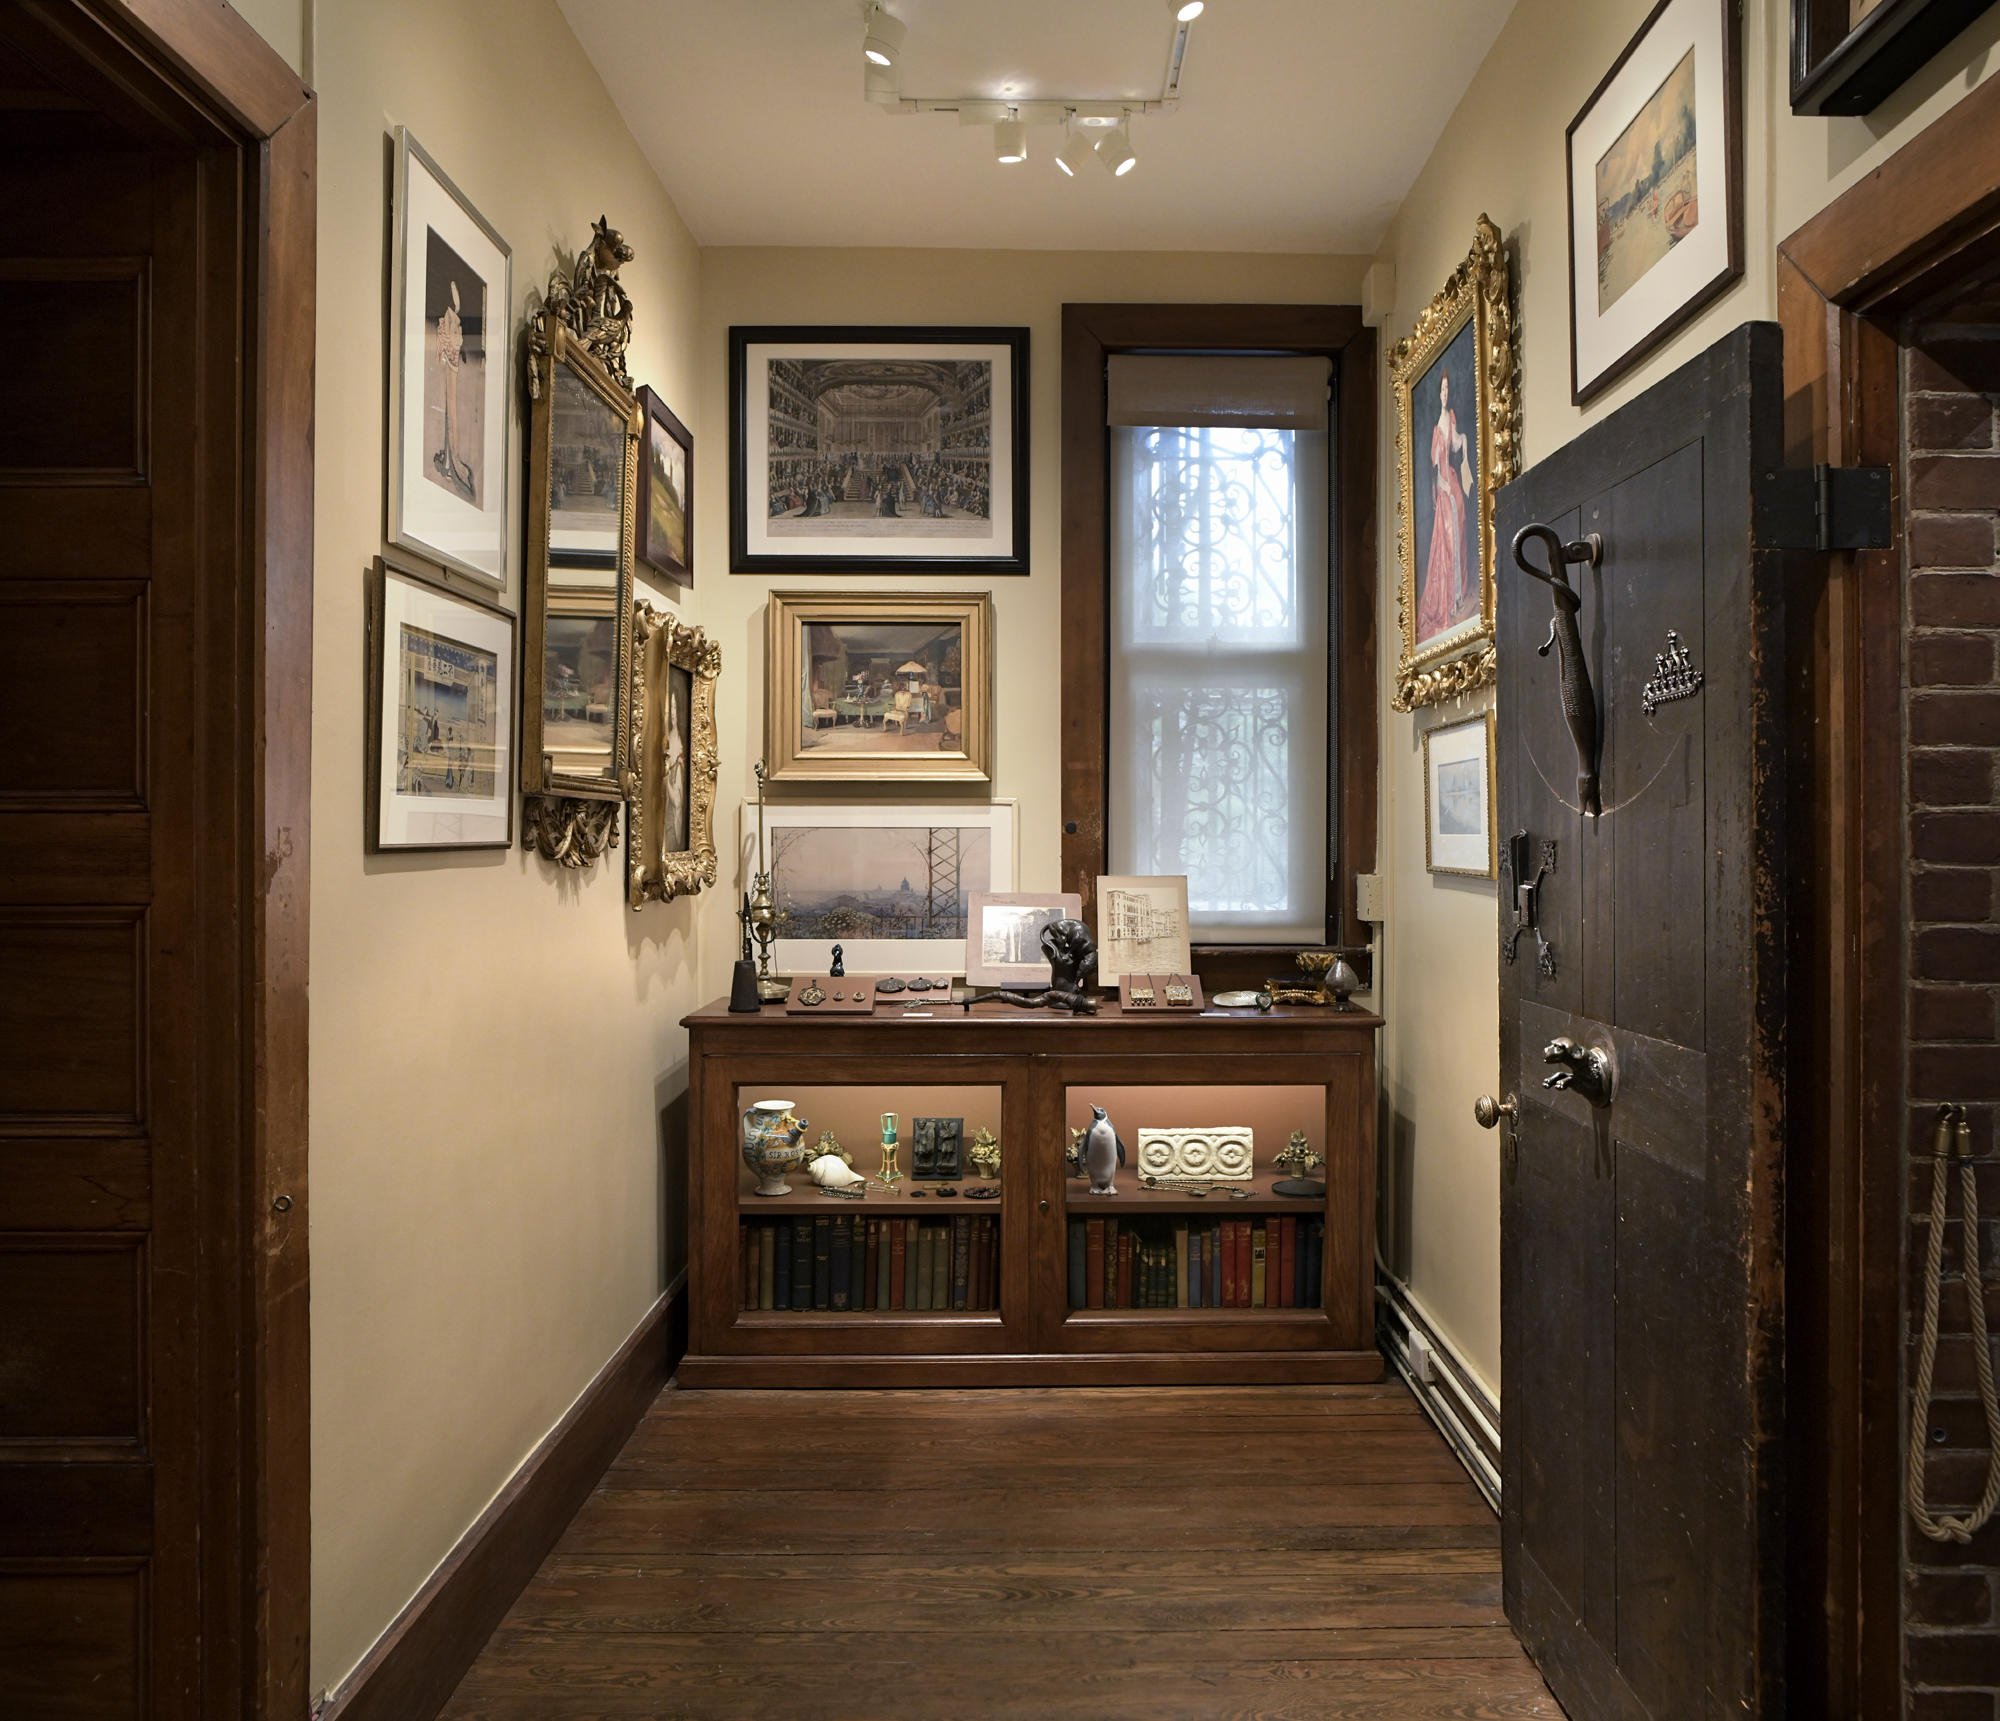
1824, 508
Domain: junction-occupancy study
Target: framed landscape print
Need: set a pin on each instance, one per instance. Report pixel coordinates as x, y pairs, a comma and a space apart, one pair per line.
451, 371
1655, 190
666, 493
1850, 56
892, 885
441, 675
878, 449
1452, 381
1459, 833
872, 687
1003, 938
1142, 928
670, 845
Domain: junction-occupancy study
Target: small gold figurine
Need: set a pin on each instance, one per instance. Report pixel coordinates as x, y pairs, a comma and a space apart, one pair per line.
830, 1143
985, 1152
1073, 1154
891, 1173
1298, 1158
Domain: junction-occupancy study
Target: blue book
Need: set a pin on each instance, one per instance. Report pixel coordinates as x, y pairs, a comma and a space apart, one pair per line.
781, 1268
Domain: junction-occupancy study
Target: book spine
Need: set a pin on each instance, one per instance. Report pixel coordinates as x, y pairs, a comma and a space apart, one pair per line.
1213, 1253
840, 1264
864, 1292
1180, 1297
1112, 1232
1094, 1264
899, 1231
746, 1235
767, 1246
1259, 1265
982, 1262
961, 1259
1194, 1272
882, 1228
1229, 1263
781, 1265
1314, 1281
822, 1261
1278, 1231
921, 1243
1078, 1265
1301, 1241
1122, 1282
933, 1265
941, 1265
802, 1263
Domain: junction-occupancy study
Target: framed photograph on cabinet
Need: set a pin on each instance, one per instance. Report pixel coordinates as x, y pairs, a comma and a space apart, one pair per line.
892, 885
451, 373
1655, 189
1142, 928
881, 450
879, 687
441, 681
1459, 801
670, 849
1003, 942
1850, 56
1452, 381
666, 493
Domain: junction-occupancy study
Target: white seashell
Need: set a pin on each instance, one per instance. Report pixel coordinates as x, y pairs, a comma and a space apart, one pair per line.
830, 1171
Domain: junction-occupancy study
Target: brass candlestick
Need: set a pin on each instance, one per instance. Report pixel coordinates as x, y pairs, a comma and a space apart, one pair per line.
763, 912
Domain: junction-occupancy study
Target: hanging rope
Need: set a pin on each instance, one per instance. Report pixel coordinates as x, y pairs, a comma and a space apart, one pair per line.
1954, 1140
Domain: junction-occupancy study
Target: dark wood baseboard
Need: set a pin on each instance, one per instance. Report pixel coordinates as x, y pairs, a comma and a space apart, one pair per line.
419, 1660
1165, 1368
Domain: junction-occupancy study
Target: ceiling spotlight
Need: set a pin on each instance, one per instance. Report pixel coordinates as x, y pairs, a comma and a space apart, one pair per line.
1098, 115
1188, 12
1010, 140
1076, 150
884, 40
1114, 149
882, 85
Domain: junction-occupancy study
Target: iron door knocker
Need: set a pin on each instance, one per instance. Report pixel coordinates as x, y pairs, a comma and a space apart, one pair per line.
1579, 702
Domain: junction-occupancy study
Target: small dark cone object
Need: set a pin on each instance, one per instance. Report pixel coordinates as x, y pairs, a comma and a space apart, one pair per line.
743, 1000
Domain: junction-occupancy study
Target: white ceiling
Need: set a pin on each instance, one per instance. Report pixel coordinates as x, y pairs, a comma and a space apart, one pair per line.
1301, 126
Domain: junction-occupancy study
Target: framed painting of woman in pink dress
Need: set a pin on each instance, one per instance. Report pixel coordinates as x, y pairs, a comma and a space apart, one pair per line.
1453, 385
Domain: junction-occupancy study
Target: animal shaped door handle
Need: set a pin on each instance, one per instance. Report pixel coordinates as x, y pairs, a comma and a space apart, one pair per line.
1579, 701
1585, 1070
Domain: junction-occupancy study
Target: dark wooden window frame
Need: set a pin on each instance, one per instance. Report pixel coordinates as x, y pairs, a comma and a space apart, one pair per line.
1925, 219
1091, 334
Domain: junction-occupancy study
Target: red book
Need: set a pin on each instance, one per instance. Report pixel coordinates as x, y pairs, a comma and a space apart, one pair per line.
1124, 1269
897, 1250
1093, 1264
1278, 1277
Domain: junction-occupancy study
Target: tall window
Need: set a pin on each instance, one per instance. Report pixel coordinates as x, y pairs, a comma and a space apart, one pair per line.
1219, 680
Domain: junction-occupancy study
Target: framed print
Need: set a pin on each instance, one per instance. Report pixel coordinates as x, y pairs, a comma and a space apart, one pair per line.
1003, 939
892, 885
670, 843
441, 680
1850, 56
1459, 833
451, 372
1452, 382
666, 493
876, 687
1142, 928
895, 450
1655, 189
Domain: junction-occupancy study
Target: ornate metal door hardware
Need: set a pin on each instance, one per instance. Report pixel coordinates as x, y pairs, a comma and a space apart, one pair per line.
1584, 1070
1579, 701
1675, 676
1527, 899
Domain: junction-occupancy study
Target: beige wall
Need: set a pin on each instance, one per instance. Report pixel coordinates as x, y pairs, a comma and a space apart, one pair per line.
1502, 153
493, 1037
941, 287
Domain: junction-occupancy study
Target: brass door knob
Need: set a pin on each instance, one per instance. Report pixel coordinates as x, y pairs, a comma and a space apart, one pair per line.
1487, 1111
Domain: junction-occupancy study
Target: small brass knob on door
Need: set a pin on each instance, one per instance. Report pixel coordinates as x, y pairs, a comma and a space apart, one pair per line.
1487, 1111
1045, 1207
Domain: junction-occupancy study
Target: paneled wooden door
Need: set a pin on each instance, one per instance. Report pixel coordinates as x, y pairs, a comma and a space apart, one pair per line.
1642, 1301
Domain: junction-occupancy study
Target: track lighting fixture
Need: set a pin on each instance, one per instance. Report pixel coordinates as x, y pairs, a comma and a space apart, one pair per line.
884, 38
883, 85
1188, 12
1114, 149
1076, 150
1010, 140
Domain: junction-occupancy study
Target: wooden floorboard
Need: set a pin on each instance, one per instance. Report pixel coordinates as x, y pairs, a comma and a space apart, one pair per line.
1144, 1552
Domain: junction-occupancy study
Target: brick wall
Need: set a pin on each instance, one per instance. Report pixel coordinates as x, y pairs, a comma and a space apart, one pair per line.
1951, 488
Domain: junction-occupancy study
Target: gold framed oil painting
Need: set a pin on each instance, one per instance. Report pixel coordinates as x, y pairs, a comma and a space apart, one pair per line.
1452, 381
879, 687
670, 848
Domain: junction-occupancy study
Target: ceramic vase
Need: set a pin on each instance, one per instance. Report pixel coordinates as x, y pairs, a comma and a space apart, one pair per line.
773, 1144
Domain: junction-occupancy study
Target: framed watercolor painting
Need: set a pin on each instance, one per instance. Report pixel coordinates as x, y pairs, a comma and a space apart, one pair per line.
1655, 189
450, 374
874, 687
894, 450
1459, 833
1452, 382
1003, 939
441, 678
666, 493
892, 885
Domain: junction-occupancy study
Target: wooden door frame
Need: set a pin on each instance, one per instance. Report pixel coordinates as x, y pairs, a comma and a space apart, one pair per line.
1927, 215
195, 75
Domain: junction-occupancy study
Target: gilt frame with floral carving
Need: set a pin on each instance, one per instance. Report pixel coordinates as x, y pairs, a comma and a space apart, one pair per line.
670, 784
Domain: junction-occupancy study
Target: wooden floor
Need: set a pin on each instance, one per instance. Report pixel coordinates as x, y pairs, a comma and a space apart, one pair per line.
1237, 1551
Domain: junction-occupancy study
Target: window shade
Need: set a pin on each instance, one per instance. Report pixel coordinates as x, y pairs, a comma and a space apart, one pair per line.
1246, 393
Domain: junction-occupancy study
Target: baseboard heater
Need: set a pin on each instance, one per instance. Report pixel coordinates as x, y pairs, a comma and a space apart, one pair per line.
1448, 1391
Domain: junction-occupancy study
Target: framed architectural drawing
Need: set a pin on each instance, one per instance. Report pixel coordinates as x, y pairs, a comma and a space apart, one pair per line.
1850, 56
892, 885
441, 680
1142, 928
1003, 942
1459, 799
878, 449
879, 687
666, 493
1452, 381
450, 374
670, 830
1655, 189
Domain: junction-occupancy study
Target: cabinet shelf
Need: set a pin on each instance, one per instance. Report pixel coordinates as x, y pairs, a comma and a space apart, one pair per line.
805, 1198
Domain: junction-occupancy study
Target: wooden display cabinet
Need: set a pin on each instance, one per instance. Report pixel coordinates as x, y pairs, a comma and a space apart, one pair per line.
1029, 1076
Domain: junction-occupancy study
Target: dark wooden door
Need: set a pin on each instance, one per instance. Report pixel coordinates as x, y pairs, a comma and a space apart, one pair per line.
1641, 1294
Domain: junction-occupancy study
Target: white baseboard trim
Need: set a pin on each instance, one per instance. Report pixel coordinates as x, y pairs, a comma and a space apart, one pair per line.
1452, 1396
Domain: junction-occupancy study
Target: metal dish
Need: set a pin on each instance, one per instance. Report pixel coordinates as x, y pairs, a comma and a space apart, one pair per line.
1235, 1000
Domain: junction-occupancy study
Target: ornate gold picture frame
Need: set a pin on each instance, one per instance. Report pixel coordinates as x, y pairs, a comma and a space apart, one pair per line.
670, 785
1452, 380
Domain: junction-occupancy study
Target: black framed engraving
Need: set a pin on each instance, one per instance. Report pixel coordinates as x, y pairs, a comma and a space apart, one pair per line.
1850, 56
899, 450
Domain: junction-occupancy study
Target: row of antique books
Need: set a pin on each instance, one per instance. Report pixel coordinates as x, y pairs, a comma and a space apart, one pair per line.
1158, 1263
850, 1261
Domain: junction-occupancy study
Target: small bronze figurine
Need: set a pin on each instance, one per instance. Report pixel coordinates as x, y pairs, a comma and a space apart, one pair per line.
839, 968
1072, 955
